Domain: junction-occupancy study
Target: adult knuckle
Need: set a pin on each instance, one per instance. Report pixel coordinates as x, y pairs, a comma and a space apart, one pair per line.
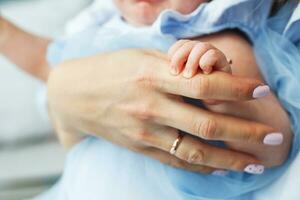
139, 135
255, 131
147, 110
195, 156
139, 111
144, 79
206, 129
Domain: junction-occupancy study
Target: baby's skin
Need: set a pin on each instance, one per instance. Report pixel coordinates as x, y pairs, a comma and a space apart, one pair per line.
189, 56
145, 12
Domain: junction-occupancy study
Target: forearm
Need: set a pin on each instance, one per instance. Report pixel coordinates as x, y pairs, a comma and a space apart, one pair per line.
26, 50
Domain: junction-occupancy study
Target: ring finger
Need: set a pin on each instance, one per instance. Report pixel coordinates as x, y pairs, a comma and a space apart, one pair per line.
195, 152
168, 159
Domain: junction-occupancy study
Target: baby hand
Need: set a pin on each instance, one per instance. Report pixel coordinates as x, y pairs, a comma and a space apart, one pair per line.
188, 56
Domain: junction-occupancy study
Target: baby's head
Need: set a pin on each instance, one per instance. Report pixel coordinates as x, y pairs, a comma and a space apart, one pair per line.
145, 12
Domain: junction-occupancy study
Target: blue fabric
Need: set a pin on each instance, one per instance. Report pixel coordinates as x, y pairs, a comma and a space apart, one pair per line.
279, 61
245, 15
291, 31
99, 170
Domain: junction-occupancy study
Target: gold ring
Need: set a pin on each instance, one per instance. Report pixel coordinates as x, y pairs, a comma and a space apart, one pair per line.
176, 144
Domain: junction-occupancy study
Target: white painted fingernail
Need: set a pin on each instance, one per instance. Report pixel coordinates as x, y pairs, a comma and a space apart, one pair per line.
273, 139
261, 91
255, 169
220, 173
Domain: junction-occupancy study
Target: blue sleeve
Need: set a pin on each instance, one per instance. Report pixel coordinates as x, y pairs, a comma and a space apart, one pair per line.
246, 15
292, 30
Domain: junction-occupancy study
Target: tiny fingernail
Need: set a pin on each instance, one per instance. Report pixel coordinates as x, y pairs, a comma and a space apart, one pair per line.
174, 71
187, 74
261, 91
220, 173
273, 139
255, 169
207, 70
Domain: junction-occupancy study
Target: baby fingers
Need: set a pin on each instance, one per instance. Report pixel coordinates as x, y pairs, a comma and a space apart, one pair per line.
179, 55
189, 56
193, 62
214, 59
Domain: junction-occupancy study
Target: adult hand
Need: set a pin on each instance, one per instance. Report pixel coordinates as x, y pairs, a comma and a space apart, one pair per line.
129, 98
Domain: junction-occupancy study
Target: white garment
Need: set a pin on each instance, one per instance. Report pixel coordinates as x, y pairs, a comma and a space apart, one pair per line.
97, 13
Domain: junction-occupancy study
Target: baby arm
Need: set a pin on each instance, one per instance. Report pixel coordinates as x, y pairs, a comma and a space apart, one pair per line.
26, 50
266, 110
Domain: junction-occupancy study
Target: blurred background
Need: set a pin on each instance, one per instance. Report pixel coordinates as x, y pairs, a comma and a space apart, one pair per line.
31, 159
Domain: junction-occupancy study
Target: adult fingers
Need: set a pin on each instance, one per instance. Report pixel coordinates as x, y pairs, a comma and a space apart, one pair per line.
212, 126
168, 159
217, 85
156, 143
195, 152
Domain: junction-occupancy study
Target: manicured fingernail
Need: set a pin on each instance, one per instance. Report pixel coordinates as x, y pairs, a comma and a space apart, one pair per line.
261, 91
220, 173
187, 74
255, 169
273, 139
